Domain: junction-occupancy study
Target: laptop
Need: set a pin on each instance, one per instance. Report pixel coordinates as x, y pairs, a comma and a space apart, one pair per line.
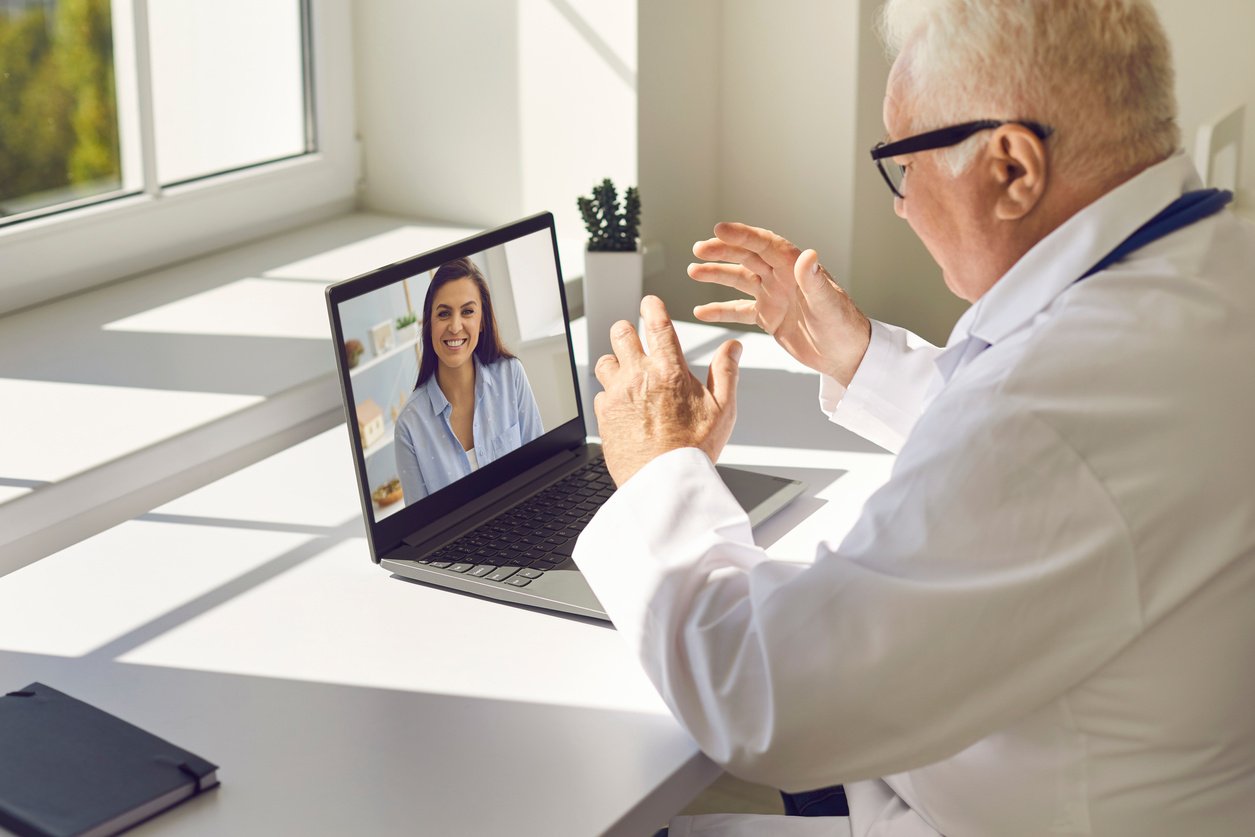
490, 507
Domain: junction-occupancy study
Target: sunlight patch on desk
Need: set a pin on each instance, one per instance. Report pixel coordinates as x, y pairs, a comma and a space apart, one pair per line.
243, 308
148, 570
370, 253
50, 430
310, 484
337, 618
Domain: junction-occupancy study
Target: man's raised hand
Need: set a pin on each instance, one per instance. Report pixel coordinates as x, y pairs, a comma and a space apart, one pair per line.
652, 403
792, 297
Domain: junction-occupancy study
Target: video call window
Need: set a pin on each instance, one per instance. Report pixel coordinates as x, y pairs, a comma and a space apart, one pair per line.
499, 311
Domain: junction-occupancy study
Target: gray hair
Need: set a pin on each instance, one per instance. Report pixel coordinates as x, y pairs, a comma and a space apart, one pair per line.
1099, 72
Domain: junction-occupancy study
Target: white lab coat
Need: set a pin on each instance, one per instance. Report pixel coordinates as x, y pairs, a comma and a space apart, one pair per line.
1044, 622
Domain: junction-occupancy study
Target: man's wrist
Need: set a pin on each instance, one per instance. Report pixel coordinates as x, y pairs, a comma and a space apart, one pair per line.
843, 370
624, 467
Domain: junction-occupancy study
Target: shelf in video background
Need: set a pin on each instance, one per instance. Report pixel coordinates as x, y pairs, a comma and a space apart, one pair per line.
375, 361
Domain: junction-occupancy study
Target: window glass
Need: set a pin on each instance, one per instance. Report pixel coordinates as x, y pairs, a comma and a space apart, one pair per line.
58, 109
228, 84
223, 85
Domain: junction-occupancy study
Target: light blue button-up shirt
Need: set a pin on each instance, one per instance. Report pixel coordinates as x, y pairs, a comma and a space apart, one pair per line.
429, 455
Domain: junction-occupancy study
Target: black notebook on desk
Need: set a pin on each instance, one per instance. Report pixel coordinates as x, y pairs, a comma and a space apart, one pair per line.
68, 768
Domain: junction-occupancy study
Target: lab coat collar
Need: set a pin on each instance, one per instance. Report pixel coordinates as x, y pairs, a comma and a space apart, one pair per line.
1063, 256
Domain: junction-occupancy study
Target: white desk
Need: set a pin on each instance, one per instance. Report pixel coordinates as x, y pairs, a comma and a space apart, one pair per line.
246, 622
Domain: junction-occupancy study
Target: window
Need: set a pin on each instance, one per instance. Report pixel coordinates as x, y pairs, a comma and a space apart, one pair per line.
219, 96
138, 132
226, 95
57, 104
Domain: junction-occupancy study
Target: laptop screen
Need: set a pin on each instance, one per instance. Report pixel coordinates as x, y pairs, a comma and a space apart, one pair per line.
454, 365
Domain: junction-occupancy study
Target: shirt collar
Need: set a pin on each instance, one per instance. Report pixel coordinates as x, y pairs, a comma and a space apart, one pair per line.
1063, 256
435, 395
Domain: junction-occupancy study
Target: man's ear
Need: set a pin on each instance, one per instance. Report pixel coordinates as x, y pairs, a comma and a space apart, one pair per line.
1018, 166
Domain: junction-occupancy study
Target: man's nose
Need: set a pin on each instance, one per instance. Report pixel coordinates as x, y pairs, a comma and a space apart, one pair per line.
899, 207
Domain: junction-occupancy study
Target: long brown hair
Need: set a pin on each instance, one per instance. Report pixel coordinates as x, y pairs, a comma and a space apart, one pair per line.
489, 348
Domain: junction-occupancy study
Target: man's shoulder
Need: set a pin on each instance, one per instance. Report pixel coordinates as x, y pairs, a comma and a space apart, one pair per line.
1125, 358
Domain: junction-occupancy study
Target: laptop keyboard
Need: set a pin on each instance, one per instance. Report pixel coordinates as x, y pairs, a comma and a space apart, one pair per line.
520, 545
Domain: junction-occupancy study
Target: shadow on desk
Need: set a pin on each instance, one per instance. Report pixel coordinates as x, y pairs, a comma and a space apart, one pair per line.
771, 530
767, 394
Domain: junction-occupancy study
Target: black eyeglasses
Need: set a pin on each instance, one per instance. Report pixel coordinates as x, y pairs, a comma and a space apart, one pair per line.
941, 138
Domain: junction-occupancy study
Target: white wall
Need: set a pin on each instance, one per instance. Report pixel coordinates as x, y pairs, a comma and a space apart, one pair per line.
1213, 43
892, 276
788, 90
482, 111
680, 148
578, 99
438, 108
734, 109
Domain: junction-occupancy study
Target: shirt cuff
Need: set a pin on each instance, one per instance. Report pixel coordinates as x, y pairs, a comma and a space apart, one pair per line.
830, 394
862, 408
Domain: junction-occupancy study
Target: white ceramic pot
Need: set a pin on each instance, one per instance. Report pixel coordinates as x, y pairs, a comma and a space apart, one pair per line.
409, 334
612, 292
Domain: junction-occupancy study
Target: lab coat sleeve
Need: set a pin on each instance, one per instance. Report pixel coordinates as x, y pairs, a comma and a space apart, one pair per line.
888, 391
988, 575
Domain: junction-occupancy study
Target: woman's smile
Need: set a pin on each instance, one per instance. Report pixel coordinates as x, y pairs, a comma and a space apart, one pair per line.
456, 321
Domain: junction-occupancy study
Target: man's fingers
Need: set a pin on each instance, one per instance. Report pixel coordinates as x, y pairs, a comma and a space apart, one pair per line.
626, 344
663, 341
605, 369
718, 250
732, 276
714, 250
743, 311
724, 370
743, 235
777, 251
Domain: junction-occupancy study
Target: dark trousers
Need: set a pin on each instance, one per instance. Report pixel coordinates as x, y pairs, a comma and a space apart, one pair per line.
825, 802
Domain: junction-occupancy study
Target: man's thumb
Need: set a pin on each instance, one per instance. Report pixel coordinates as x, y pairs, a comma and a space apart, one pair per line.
810, 275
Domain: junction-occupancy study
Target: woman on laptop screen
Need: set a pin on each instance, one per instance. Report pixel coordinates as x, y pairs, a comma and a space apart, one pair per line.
472, 403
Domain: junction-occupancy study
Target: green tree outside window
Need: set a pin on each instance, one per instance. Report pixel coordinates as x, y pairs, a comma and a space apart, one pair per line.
58, 109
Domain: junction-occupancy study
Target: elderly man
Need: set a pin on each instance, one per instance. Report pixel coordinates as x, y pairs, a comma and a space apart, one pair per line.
1044, 623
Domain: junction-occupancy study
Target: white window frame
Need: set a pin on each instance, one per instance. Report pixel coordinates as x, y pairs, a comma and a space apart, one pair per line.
72, 251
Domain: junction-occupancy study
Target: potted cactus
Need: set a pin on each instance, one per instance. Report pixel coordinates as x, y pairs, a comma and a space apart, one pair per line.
613, 263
